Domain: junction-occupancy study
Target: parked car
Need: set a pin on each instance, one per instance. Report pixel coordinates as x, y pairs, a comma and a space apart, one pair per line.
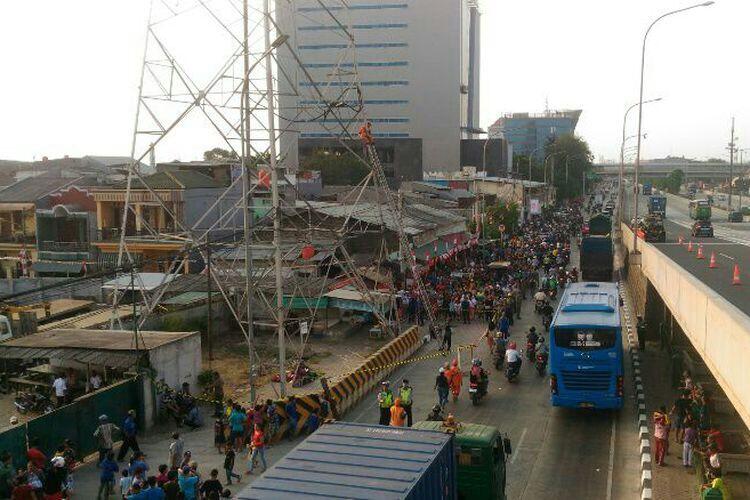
735, 216
703, 228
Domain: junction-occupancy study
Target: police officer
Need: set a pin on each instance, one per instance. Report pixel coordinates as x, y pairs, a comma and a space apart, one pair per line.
405, 394
385, 401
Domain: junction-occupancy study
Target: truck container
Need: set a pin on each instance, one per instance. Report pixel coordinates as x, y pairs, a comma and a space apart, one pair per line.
597, 258
600, 225
359, 461
657, 205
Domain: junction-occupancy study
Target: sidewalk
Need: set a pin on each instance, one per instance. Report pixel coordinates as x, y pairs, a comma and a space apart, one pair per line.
200, 442
673, 480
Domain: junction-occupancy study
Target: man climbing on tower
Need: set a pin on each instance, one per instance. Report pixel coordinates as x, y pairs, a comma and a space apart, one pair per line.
365, 134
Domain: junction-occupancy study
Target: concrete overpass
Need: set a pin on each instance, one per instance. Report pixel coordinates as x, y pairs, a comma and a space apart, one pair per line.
717, 329
693, 170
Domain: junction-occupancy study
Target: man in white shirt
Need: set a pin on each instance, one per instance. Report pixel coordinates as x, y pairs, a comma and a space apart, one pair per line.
95, 382
61, 388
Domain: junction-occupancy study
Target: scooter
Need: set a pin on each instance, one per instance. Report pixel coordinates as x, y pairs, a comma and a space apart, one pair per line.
541, 364
26, 402
477, 390
511, 373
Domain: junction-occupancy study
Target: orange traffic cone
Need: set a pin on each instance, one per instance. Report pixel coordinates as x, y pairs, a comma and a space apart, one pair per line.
700, 255
690, 246
712, 262
736, 275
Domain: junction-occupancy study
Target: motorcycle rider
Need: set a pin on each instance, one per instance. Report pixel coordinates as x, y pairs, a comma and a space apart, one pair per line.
436, 415
478, 376
542, 349
513, 357
532, 337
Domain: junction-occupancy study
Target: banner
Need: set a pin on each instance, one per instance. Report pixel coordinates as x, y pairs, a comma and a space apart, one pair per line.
535, 208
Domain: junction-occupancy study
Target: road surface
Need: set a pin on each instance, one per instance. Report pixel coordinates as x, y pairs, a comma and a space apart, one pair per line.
731, 246
557, 452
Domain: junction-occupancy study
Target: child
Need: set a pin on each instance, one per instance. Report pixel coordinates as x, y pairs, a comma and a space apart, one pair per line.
229, 465
125, 482
219, 435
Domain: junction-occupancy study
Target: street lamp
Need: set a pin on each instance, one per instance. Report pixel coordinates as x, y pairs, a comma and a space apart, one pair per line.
544, 166
622, 159
640, 106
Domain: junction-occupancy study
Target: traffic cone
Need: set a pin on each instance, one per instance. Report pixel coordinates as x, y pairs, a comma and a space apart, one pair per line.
690, 246
700, 255
736, 275
712, 262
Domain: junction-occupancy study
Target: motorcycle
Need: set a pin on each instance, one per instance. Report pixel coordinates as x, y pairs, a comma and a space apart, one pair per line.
541, 364
530, 350
26, 402
477, 390
511, 373
539, 305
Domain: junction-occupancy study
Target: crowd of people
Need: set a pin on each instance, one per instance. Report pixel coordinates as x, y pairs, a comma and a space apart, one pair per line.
694, 431
485, 282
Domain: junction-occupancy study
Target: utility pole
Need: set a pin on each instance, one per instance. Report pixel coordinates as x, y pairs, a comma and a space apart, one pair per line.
247, 217
275, 200
731, 163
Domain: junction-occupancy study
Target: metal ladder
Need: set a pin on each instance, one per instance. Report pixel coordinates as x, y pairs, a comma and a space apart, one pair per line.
407, 253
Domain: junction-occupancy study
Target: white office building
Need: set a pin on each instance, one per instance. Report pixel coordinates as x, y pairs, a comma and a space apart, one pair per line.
416, 63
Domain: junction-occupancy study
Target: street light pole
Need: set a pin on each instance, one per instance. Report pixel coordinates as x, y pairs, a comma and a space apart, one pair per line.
731, 163
621, 173
640, 107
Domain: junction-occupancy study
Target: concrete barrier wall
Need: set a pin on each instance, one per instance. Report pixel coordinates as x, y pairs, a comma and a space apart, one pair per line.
350, 389
719, 331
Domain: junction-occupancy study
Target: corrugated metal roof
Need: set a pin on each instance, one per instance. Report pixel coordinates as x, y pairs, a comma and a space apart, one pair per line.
176, 179
31, 189
140, 281
185, 298
57, 267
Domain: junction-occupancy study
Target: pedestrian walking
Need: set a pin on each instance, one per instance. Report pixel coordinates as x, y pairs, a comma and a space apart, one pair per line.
176, 449
397, 414
107, 476
104, 433
220, 438
455, 379
259, 449
640, 328
129, 432
661, 435
405, 395
385, 401
441, 385
447, 335
292, 417
690, 439
229, 457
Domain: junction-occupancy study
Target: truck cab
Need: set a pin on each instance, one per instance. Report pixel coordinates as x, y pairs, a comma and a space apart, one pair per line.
481, 459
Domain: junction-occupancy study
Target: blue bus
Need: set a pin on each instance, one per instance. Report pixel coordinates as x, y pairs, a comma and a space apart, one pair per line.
585, 344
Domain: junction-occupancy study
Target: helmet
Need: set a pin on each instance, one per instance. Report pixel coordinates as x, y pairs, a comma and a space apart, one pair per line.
479, 362
476, 361
437, 408
532, 329
541, 340
512, 344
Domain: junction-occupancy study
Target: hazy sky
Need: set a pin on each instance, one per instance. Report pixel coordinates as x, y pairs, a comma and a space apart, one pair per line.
70, 72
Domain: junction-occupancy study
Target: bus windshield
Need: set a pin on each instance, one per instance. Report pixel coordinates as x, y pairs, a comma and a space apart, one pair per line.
585, 339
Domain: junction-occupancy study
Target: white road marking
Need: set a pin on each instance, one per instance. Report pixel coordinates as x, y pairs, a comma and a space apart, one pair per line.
611, 466
726, 256
518, 445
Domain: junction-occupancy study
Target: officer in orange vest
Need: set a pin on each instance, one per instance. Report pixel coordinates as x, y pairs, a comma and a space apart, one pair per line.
398, 414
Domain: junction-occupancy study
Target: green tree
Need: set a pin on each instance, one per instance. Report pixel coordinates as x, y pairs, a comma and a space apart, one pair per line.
503, 213
672, 182
569, 159
336, 168
219, 154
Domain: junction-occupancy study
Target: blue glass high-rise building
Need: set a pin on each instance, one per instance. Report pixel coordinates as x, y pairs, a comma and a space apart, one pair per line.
528, 133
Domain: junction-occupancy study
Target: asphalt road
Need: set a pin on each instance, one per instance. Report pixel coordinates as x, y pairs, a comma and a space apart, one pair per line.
557, 452
731, 246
